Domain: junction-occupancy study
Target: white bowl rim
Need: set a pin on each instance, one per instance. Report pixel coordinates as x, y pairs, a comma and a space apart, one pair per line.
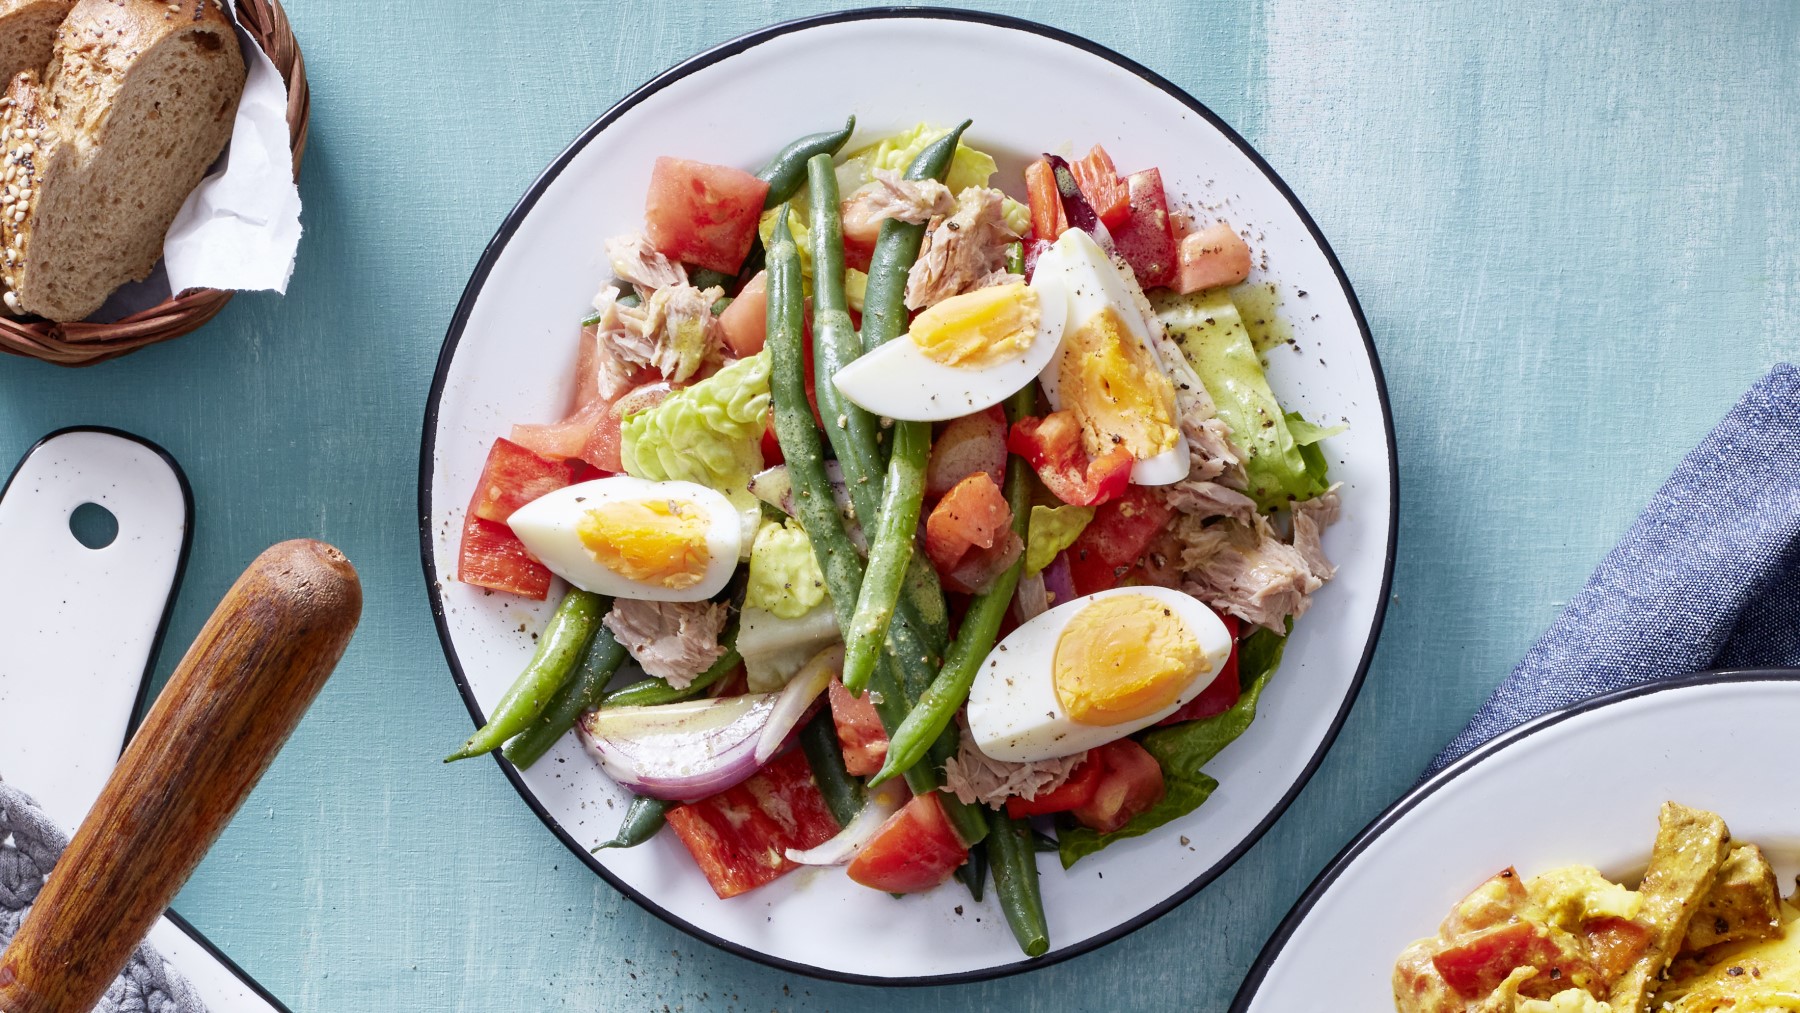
1446, 778
491, 253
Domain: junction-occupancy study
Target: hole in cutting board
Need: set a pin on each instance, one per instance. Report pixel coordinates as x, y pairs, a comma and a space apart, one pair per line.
93, 525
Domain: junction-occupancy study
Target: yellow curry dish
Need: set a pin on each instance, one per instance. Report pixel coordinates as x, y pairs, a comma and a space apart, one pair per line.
1706, 931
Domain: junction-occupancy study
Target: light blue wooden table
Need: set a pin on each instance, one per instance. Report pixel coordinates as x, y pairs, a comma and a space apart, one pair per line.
1575, 229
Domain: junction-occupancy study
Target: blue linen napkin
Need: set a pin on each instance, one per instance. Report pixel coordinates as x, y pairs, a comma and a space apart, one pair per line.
1708, 577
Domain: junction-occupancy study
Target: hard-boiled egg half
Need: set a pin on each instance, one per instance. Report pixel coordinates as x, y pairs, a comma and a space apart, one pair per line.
634, 538
1107, 371
960, 356
1093, 670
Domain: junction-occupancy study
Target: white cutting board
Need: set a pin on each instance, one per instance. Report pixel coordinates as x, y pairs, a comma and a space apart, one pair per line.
79, 629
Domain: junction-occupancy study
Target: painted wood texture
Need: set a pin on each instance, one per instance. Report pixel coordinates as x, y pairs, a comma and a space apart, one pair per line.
1573, 228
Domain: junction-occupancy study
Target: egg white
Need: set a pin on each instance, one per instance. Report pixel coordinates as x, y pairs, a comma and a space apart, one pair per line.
548, 527
1077, 266
1014, 714
899, 381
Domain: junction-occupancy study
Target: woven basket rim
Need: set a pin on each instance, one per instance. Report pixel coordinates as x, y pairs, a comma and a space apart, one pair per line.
83, 343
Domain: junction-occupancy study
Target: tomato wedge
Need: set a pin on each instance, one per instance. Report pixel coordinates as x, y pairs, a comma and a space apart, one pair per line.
1477, 963
740, 836
970, 516
1117, 537
859, 731
1100, 184
1048, 219
1052, 446
1130, 782
915, 850
1074, 793
703, 214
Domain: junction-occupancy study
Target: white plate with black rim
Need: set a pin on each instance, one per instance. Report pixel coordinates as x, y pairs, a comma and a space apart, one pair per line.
509, 354
1580, 786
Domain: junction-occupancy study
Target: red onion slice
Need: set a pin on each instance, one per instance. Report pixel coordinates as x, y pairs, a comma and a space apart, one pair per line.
883, 802
1059, 581
797, 697
1031, 599
679, 751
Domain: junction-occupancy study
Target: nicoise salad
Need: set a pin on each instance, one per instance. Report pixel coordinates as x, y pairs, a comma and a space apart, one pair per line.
905, 526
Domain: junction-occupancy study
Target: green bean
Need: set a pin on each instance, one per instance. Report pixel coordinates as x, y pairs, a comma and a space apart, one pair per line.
855, 434
813, 505
787, 170
843, 793
1016, 882
559, 647
1015, 258
785, 173
643, 818
602, 658
889, 550
938, 705
794, 429
653, 692
973, 872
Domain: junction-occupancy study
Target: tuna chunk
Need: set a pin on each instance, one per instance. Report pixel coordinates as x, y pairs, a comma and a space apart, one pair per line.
672, 333
1207, 499
976, 777
1245, 570
905, 200
671, 640
962, 251
636, 261
1311, 518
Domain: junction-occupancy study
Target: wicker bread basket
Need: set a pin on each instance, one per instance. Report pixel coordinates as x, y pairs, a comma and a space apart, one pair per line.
83, 344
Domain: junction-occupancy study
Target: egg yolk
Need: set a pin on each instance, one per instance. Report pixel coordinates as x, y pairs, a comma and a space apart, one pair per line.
978, 329
656, 541
1123, 658
1117, 389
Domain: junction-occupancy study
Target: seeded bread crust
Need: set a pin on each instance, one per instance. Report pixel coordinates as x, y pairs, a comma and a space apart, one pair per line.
25, 141
27, 34
138, 101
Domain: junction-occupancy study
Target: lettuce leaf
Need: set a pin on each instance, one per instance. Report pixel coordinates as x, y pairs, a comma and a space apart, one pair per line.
774, 648
1211, 334
709, 433
784, 576
1053, 529
968, 167
1183, 749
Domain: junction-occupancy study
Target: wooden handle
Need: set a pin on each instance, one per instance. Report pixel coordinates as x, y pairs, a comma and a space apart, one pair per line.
234, 699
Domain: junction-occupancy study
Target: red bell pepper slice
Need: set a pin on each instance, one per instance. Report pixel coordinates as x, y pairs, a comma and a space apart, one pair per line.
1221, 694
1072, 794
1052, 446
1146, 238
514, 476
1047, 217
740, 836
492, 556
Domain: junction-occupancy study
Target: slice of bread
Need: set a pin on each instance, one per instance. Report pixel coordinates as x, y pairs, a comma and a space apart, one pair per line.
27, 33
138, 100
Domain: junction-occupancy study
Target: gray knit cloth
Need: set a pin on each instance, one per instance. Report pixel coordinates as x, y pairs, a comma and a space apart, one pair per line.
29, 846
